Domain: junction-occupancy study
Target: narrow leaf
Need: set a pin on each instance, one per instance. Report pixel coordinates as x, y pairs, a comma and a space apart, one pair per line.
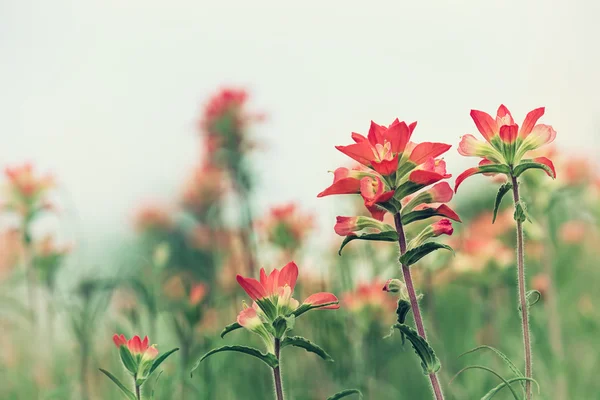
489, 370
429, 361
128, 393
500, 354
501, 192
128, 361
387, 236
230, 328
414, 255
501, 386
299, 341
268, 358
160, 359
345, 393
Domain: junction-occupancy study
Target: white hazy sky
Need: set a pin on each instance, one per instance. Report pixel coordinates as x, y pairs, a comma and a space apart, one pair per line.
105, 93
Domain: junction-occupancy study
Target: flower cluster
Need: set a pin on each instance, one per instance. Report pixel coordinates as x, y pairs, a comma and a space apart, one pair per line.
272, 296
224, 124
369, 298
26, 191
506, 144
286, 227
395, 175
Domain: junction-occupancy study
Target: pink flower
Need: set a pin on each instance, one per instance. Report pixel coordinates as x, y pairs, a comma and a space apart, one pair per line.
286, 226
249, 319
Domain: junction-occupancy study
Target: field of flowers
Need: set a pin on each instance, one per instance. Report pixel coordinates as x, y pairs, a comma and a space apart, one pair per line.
423, 292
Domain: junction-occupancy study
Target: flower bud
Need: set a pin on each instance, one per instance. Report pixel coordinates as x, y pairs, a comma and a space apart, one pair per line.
393, 286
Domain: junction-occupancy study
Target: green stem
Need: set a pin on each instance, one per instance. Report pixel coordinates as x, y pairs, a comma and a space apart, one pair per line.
433, 378
522, 292
138, 392
277, 373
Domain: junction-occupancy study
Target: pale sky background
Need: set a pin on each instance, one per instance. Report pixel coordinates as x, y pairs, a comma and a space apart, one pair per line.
105, 94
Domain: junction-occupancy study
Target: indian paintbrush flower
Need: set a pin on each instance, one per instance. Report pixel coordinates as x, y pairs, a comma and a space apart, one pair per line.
140, 358
272, 315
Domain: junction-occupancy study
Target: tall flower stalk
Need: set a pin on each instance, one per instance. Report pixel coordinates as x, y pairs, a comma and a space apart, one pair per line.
414, 303
504, 153
395, 177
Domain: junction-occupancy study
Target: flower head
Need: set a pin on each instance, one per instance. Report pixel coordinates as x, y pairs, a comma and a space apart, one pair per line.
273, 293
506, 144
25, 190
286, 226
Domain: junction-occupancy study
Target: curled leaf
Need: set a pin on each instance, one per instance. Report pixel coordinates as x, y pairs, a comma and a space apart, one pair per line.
429, 361
230, 328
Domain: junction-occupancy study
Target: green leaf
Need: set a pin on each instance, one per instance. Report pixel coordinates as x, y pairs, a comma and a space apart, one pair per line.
419, 215
489, 370
128, 393
429, 361
402, 310
521, 213
128, 361
268, 358
501, 386
405, 189
414, 255
160, 360
230, 328
500, 354
299, 341
283, 324
501, 192
530, 164
388, 236
345, 393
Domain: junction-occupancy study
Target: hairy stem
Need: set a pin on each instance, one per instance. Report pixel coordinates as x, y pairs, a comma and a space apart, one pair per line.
277, 373
138, 394
522, 292
435, 383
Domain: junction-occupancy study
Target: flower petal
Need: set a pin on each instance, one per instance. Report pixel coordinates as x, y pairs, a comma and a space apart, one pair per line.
318, 299
547, 162
485, 124
119, 340
376, 133
530, 121
459, 179
342, 186
360, 152
289, 275
426, 150
503, 116
398, 134
425, 178
509, 133
252, 287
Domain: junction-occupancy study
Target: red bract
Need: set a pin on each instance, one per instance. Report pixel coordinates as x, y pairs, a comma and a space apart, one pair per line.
136, 346
273, 293
392, 167
506, 145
